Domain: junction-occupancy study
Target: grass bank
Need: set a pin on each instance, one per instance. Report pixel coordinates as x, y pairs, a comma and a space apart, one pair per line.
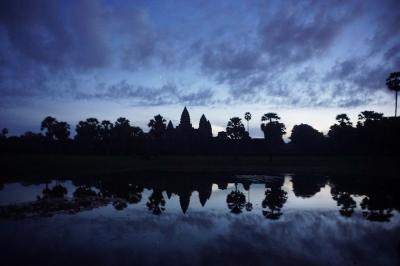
79, 166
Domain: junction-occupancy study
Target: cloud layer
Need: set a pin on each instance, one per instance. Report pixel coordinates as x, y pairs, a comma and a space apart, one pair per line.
283, 53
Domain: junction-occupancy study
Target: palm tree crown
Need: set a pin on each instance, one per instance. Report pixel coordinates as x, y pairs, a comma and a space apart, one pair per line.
393, 83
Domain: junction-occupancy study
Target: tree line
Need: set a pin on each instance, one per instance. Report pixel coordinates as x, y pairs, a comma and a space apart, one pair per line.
378, 203
372, 134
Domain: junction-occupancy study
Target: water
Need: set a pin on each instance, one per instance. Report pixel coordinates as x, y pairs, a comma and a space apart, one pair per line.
241, 220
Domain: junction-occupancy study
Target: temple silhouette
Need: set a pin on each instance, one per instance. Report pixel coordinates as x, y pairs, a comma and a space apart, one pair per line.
185, 129
373, 134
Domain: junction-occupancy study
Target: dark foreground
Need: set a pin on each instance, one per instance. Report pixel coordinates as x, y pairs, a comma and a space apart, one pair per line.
201, 220
67, 166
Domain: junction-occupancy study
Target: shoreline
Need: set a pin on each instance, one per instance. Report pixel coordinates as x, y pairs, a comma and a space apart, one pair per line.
67, 166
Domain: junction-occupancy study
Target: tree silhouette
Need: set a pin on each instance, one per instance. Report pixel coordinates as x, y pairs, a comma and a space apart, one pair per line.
235, 128
54, 129
236, 201
377, 208
343, 120
4, 132
270, 117
134, 194
274, 200
272, 128
105, 129
393, 83
88, 130
58, 191
156, 203
157, 126
345, 201
48, 124
249, 205
247, 117
343, 127
122, 130
342, 134
368, 117
372, 131
62, 131
305, 136
84, 192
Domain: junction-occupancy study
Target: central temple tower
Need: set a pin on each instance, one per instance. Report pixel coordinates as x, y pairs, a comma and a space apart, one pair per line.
185, 128
185, 120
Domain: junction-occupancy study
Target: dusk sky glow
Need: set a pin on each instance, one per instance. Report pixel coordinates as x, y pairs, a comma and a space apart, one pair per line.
305, 60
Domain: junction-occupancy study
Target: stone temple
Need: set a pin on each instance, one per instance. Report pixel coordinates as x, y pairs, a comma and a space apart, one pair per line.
185, 128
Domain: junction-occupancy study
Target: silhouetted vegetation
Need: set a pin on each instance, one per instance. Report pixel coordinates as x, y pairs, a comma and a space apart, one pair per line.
393, 83
55, 130
156, 203
307, 139
247, 117
158, 128
374, 134
273, 129
274, 199
236, 200
235, 128
379, 201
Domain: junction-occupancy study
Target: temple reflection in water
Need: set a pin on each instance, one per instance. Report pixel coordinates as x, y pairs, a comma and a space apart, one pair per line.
269, 196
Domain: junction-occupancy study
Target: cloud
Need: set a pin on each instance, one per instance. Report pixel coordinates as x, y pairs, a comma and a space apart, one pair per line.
306, 74
86, 34
288, 53
287, 36
168, 93
299, 31
57, 35
359, 75
386, 24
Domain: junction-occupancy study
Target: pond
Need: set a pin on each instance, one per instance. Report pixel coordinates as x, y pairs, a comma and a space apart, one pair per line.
200, 220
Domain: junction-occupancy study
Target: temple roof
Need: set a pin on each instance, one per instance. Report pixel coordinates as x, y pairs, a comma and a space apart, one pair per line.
185, 119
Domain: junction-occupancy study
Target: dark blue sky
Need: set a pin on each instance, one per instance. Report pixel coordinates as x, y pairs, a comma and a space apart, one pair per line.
305, 60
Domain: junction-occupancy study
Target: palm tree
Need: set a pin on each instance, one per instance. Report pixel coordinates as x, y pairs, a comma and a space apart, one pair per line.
157, 126
247, 117
393, 83
270, 117
249, 205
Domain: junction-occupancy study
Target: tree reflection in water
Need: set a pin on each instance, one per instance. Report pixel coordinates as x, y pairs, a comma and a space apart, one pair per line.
156, 202
377, 209
236, 201
380, 199
346, 203
274, 200
84, 192
58, 191
249, 205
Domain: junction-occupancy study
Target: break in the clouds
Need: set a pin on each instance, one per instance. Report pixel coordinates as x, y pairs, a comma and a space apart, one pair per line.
277, 53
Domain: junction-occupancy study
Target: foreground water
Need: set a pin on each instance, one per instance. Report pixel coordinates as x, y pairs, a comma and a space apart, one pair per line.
241, 220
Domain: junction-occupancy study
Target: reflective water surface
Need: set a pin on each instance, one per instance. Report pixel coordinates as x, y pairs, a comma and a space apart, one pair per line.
242, 220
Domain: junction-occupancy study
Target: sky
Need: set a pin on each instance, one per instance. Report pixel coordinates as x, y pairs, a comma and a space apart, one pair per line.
305, 60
